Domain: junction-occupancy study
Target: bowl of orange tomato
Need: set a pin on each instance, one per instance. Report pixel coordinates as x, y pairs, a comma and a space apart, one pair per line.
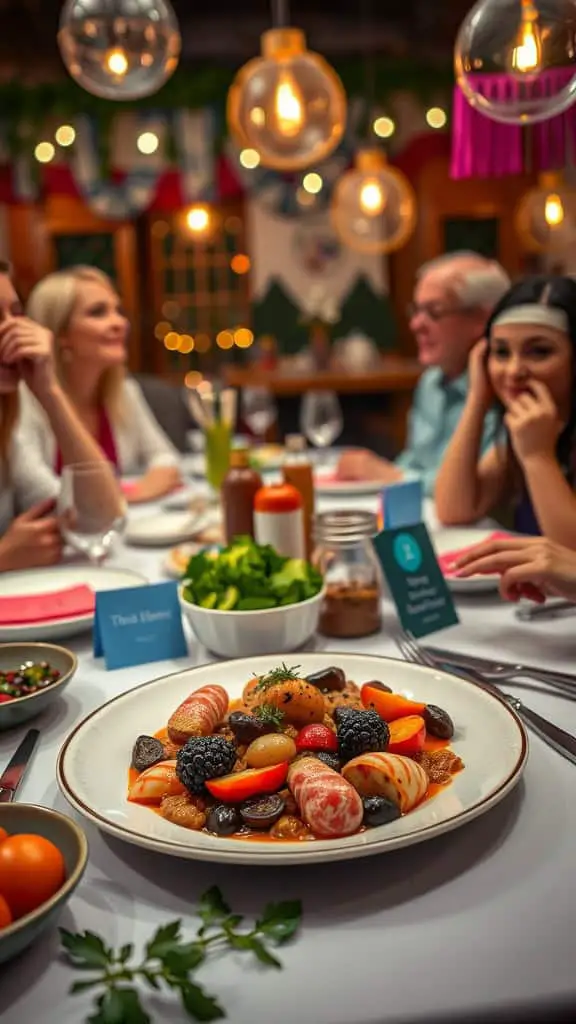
43, 855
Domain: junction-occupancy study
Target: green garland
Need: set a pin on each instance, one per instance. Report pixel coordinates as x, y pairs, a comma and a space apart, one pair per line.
24, 107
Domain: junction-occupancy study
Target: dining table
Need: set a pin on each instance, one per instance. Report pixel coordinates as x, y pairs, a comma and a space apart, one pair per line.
471, 925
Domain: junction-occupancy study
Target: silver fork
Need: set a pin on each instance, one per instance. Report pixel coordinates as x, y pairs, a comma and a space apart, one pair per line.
562, 742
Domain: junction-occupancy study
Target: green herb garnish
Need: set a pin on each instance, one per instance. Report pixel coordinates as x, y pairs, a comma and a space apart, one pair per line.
246, 576
282, 674
269, 714
170, 960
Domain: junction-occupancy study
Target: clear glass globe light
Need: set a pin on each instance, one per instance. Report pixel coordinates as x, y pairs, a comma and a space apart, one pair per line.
289, 104
373, 205
515, 60
119, 49
546, 215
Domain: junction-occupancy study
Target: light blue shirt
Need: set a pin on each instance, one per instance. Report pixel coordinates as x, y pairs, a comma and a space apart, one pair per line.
436, 410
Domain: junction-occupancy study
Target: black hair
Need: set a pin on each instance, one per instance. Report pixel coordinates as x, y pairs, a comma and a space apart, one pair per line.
557, 293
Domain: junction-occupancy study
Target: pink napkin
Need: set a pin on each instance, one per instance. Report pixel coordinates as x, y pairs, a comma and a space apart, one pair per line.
447, 560
58, 604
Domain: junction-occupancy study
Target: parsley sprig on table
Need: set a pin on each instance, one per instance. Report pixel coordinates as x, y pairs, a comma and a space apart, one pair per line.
170, 960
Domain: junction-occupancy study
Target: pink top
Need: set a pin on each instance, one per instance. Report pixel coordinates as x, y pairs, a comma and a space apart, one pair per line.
105, 439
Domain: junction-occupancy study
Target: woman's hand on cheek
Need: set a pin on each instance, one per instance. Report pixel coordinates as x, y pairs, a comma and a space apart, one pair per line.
28, 347
533, 423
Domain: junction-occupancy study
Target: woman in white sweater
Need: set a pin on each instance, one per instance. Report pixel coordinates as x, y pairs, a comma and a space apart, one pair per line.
29, 530
83, 311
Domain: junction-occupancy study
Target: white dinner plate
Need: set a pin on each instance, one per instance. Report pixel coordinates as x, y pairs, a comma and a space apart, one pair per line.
455, 539
168, 528
45, 581
489, 738
326, 484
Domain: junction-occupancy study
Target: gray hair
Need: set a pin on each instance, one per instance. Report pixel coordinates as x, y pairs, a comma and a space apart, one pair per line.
477, 283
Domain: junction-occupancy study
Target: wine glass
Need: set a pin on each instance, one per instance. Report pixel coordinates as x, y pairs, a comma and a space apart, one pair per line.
258, 410
321, 418
89, 520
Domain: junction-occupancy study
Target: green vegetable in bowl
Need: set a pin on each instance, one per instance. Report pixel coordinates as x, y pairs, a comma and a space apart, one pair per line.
248, 577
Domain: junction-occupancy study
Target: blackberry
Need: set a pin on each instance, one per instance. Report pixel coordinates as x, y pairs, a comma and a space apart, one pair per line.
202, 758
360, 732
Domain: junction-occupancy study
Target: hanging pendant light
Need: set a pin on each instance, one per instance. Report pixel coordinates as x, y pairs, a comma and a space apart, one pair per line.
546, 215
373, 205
515, 60
119, 49
288, 104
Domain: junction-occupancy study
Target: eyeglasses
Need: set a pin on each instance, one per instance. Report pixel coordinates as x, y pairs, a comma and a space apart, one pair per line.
432, 311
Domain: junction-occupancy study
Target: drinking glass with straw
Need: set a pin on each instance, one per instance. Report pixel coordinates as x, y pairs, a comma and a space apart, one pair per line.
215, 412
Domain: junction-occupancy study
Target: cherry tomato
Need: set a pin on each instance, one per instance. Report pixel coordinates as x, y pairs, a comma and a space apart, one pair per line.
316, 736
5, 914
31, 870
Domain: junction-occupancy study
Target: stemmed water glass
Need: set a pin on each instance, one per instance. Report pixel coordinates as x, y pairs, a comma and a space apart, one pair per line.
258, 410
89, 521
321, 418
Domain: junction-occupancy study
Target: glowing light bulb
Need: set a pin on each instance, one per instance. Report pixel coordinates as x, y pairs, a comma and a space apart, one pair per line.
117, 62
198, 219
527, 54
372, 199
288, 107
553, 210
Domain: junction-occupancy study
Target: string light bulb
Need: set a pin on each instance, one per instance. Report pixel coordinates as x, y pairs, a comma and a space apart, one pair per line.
119, 49
198, 219
288, 104
515, 60
373, 205
546, 214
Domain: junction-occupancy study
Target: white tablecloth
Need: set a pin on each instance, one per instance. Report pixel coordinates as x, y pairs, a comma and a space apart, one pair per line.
482, 917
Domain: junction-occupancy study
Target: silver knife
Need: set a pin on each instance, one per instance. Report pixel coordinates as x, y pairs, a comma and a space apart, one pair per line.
16, 768
560, 741
515, 668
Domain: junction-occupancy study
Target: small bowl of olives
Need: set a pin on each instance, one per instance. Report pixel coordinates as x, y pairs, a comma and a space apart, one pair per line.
32, 675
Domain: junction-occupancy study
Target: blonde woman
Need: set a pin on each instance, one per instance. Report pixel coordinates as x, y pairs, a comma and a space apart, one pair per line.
83, 311
27, 485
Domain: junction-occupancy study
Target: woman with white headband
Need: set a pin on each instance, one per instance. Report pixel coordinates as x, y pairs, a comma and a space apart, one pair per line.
527, 366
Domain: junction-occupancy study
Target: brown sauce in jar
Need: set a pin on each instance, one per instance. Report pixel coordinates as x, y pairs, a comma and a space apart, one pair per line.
350, 610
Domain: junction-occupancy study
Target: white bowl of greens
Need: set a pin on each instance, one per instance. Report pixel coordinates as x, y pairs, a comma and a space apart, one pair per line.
246, 599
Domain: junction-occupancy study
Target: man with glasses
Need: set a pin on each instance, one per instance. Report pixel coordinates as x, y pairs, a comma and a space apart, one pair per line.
453, 299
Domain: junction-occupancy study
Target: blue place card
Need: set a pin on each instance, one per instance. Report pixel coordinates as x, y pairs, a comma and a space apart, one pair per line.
416, 582
137, 625
401, 504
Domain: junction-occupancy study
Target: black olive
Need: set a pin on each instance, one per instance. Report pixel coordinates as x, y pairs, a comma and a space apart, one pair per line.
328, 679
379, 811
146, 752
223, 820
327, 757
438, 722
247, 728
376, 685
262, 811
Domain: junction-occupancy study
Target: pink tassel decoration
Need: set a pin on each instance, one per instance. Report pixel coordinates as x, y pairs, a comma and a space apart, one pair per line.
483, 148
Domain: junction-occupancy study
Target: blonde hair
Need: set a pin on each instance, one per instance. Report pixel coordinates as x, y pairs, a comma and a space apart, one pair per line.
51, 304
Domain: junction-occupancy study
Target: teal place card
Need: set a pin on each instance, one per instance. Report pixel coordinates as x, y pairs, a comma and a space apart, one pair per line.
138, 625
416, 582
401, 504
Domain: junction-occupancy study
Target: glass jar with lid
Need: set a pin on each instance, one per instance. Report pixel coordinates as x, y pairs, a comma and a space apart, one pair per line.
345, 556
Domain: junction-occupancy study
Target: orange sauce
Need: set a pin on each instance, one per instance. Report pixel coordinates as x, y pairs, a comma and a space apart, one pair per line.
431, 744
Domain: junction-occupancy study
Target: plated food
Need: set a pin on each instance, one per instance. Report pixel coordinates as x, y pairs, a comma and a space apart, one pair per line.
43, 855
28, 678
246, 576
489, 740
296, 758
